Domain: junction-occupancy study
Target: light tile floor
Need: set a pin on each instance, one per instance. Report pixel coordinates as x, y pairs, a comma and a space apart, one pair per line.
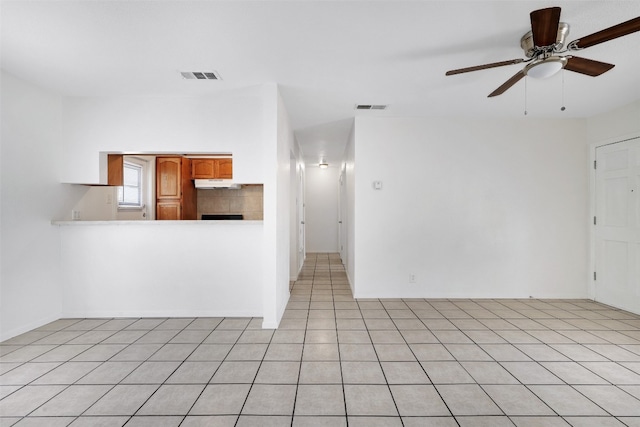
334, 361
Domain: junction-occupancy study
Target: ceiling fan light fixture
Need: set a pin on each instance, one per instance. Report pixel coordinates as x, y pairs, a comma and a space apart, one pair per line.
527, 44
547, 67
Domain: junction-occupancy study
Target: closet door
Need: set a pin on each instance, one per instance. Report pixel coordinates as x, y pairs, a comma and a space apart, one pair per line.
617, 228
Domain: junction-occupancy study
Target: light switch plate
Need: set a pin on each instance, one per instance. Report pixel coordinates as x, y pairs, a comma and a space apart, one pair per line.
377, 185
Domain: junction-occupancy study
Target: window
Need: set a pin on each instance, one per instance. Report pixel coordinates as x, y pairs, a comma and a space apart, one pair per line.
130, 194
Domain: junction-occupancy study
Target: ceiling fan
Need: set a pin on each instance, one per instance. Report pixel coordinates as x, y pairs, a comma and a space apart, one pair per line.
547, 53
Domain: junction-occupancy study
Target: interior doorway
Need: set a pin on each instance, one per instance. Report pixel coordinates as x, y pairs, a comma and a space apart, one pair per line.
342, 218
297, 250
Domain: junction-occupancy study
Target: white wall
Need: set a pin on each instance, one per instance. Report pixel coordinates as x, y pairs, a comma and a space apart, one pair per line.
95, 206
321, 215
285, 142
620, 123
472, 208
162, 268
350, 225
277, 206
241, 122
296, 199
30, 195
226, 122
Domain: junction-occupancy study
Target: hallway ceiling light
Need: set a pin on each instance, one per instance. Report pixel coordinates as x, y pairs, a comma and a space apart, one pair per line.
323, 165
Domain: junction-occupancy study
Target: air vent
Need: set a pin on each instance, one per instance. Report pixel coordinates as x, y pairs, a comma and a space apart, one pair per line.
200, 75
371, 107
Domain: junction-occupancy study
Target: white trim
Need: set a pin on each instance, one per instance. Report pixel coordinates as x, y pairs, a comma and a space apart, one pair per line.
282, 307
131, 207
28, 327
158, 313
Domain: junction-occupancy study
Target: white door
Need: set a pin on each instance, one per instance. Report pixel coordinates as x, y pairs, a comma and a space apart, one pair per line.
293, 209
301, 231
342, 230
617, 228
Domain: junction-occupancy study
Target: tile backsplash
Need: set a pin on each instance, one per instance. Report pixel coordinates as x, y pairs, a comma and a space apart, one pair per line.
246, 201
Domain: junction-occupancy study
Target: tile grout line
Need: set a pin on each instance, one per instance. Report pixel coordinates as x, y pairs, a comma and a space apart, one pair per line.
304, 338
344, 394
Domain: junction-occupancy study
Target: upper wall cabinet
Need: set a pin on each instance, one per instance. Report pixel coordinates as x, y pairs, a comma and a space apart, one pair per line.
225, 168
212, 168
115, 169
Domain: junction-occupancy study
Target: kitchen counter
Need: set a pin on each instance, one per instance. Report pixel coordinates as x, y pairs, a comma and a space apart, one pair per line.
154, 222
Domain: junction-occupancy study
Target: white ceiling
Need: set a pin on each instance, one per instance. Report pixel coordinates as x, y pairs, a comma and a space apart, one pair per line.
326, 56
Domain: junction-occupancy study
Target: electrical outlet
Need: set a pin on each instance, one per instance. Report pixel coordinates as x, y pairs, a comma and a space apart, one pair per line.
75, 215
412, 278
109, 198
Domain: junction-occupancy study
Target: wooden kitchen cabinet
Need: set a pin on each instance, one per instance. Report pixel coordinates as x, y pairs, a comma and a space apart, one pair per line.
115, 169
175, 192
203, 168
169, 209
225, 168
168, 179
211, 168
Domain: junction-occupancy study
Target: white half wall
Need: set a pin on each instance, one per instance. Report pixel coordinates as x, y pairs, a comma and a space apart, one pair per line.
30, 195
162, 268
243, 122
321, 208
47, 139
471, 208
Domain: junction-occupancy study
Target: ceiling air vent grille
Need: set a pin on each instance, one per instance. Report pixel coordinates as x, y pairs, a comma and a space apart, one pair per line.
371, 107
200, 75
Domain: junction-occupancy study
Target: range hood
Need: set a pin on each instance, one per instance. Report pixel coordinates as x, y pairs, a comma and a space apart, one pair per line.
215, 183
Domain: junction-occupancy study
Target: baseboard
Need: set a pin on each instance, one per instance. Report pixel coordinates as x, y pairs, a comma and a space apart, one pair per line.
353, 292
26, 328
160, 313
270, 325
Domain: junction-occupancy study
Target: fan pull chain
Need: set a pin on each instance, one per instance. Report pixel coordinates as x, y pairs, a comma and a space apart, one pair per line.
562, 108
525, 95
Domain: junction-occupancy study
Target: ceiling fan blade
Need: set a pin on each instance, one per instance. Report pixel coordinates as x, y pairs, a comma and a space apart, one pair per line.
483, 67
506, 85
544, 26
587, 66
622, 29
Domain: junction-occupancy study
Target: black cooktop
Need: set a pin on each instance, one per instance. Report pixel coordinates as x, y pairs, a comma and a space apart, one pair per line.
221, 217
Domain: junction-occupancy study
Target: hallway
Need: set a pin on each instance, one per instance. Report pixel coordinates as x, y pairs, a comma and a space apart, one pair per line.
334, 361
